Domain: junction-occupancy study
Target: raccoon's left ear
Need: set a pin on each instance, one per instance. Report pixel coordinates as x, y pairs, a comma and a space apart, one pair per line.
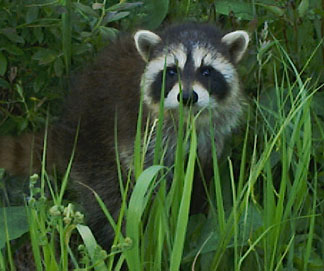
144, 42
237, 42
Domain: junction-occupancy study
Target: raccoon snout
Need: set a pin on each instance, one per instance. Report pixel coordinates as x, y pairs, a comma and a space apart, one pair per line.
188, 97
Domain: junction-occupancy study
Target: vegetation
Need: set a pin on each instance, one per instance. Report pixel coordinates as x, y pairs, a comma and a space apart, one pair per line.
266, 200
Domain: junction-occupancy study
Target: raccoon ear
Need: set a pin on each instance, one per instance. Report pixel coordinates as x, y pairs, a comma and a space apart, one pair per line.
144, 41
237, 42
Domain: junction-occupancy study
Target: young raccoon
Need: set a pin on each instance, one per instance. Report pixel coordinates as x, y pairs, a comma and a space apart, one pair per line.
199, 60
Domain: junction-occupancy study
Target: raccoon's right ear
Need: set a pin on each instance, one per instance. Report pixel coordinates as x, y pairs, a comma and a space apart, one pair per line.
237, 43
144, 41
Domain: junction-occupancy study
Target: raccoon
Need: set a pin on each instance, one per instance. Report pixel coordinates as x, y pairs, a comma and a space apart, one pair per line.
200, 65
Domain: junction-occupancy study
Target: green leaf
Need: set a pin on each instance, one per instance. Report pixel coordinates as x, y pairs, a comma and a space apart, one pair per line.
96, 6
124, 6
45, 56
59, 67
114, 16
38, 33
14, 220
12, 35
274, 9
4, 84
13, 49
86, 10
81, 48
156, 11
240, 10
32, 14
3, 64
39, 82
108, 33
303, 7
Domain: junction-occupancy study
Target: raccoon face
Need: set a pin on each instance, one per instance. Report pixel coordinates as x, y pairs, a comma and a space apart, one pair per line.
198, 61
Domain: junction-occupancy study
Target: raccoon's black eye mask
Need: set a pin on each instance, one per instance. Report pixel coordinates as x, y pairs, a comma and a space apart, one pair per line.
206, 71
171, 71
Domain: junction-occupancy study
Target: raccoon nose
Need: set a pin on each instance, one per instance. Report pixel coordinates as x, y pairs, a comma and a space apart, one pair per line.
188, 97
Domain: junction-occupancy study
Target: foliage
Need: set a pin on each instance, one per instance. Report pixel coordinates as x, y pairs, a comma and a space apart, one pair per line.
265, 201
13, 222
41, 42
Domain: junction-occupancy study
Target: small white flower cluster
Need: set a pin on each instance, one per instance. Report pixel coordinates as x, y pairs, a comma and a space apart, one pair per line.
69, 215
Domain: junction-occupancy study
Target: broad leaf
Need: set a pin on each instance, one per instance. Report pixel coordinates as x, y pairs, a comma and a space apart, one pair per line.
14, 221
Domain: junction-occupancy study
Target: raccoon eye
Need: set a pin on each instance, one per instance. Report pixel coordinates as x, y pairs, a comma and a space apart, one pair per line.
205, 71
171, 71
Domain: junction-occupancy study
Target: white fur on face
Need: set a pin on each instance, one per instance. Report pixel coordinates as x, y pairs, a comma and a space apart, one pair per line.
201, 57
204, 57
171, 100
174, 57
203, 95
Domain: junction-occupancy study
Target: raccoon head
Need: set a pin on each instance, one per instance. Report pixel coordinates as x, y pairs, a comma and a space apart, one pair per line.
199, 61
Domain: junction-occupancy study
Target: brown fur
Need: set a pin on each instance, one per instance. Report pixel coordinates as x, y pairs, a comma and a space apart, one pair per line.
117, 69
21, 155
108, 90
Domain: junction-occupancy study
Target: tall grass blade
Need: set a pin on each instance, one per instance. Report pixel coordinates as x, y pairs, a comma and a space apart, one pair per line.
217, 181
137, 204
183, 216
91, 246
310, 238
68, 170
138, 163
159, 133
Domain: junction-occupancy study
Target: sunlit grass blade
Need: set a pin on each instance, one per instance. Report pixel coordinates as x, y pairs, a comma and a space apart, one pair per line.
312, 221
137, 204
138, 163
158, 149
68, 169
7, 240
92, 246
2, 261
183, 215
217, 181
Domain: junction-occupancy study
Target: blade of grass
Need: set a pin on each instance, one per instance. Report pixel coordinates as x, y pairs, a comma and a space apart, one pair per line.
137, 204
158, 139
183, 216
217, 181
9, 252
138, 163
312, 224
68, 170
91, 245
